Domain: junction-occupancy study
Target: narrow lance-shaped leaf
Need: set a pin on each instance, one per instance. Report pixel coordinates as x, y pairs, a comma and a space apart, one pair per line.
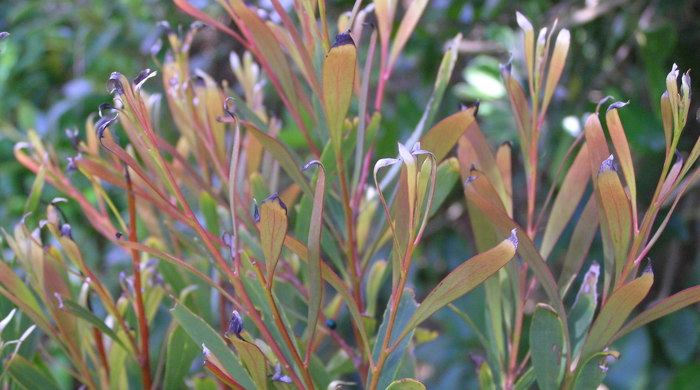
566, 201
556, 66
179, 356
615, 208
529, 42
615, 311
408, 24
441, 81
401, 327
519, 105
445, 134
202, 334
622, 149
282, 155
272, 221
314, 245
505, 167
29, 376
338, 79
584, 307
675, 302
547, 347
579, 245
465, 278
253, 359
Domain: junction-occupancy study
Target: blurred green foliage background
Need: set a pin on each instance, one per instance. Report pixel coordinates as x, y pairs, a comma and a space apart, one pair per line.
54, 66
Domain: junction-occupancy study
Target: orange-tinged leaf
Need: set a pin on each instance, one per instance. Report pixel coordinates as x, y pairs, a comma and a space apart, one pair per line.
566, 201
615, 207
579, 245
271, 216
198, 14
597, 145
556, 65
670, 180
444, 135
474, 152
269, 52
282, 155
504, 162
408, 24
529, 38
667, 119
338, 80
669, 305
526, 248
622, 149
615, 312
519, 105
465, 278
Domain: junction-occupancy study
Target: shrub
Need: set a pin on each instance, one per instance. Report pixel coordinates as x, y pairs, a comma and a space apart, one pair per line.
286, 291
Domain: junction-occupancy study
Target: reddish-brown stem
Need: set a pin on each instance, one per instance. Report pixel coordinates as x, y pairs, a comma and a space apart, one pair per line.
99, 342
143, 353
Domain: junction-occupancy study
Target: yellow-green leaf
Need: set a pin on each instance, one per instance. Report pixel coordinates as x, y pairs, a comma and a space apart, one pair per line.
271, 217
465, 278
338, 79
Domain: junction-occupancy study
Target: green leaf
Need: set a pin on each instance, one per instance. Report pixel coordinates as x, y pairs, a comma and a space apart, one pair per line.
526, 380
202, 334
547, 347
35, 193
584, 307
615, 311
592, 372
464, 278
407, 308
447, 176
273, 224
485, 376
179, 357
338, 81
207, 205
85, 314
314, 245
526, 249
28, 376
406, 384
442, 79
254, 360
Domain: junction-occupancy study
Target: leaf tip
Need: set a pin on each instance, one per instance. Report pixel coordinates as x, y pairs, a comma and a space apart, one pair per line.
607, 165
601, 102
514, 238
343, 39
617, 105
